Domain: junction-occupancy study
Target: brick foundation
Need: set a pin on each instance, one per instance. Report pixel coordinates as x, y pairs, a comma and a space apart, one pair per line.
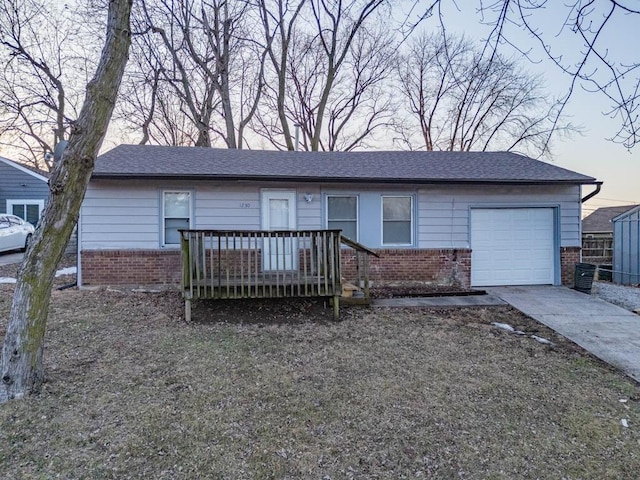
130, 267
569, 256
163, 267
442, 267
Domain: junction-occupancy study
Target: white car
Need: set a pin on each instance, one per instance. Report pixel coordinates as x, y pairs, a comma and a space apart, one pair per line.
15, 233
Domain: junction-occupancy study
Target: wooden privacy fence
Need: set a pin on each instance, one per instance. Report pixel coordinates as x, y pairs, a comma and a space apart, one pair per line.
220, 264
597, 250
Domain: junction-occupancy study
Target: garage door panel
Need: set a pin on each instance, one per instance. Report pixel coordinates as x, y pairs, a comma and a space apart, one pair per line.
512, 246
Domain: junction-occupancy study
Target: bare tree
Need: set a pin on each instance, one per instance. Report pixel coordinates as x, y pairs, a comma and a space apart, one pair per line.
148, 103
22, 352
202, 53
41, 81
279, 21
328, 63
463, 101
578, 43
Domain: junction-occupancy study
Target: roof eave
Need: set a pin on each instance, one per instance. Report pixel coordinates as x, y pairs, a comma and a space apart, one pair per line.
270, 178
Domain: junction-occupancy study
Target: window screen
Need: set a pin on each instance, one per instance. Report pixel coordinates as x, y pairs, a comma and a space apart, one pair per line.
396, 220
342, 214
176, 208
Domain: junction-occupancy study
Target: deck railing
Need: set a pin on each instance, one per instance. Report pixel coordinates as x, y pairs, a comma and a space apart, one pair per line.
220, 264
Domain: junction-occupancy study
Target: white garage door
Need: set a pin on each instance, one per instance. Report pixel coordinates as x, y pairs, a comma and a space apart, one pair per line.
512, 246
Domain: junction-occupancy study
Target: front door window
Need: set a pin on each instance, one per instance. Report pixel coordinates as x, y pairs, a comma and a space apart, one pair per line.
280, 252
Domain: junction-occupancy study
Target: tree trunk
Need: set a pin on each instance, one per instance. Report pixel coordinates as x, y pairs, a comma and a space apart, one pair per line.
22, 366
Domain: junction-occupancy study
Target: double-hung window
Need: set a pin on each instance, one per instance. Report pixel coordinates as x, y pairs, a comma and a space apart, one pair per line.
397, 220
176, 214
342, 214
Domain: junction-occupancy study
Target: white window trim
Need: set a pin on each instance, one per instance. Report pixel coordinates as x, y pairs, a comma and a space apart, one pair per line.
326, 205
412, 225
29, 201
163, 244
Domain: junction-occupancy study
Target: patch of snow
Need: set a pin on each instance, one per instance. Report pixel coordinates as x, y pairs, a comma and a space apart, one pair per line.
66, 271
7, 280
624, 423
542, 340
504, 326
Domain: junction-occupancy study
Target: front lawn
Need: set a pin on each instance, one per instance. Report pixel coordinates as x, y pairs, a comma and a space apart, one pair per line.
279, 390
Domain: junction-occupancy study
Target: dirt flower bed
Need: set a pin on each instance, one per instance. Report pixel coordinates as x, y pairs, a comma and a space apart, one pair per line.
276, 389
427, 290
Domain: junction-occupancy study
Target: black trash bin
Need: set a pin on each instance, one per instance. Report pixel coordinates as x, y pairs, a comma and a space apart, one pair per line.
583, 277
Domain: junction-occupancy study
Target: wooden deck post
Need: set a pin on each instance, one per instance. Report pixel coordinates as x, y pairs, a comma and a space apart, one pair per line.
187, 310
336, 307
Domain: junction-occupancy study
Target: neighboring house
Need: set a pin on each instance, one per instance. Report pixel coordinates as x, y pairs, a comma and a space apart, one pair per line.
597, 234
626, 247
466, 218
599, 223
23, 191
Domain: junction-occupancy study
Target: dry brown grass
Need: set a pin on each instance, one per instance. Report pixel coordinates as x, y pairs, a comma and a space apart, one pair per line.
264, 390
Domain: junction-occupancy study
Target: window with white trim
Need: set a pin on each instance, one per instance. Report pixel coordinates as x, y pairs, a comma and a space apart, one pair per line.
176, 215
397, 220
29, 210
342, 214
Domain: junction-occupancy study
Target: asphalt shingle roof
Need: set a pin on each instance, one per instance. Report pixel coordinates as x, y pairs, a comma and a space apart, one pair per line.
149, 161
599, 221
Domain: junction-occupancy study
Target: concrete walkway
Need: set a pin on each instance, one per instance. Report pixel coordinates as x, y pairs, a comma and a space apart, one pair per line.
606, 330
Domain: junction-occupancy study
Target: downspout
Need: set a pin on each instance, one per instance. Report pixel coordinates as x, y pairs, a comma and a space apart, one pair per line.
592, 194
584, 199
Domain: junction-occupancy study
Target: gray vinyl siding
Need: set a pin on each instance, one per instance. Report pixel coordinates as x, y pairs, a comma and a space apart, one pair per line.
126, 214
227, 208
18, 185
444, 211
310, 213
120, 215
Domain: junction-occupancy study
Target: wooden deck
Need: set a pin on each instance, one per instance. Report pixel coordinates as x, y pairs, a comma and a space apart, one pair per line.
225, 264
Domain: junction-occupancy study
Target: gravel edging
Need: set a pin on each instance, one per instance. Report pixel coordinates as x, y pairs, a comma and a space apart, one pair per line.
621, 295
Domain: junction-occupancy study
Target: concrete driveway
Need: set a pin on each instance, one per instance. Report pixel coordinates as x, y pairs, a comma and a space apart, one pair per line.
606, 330
10, 257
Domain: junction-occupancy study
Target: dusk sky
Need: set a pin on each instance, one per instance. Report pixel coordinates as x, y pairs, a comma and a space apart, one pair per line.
591, 153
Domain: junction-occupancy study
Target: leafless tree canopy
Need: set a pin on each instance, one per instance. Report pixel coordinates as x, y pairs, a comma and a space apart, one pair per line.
576, 36
459, 99
196, 75
45, 67
259, 73
329, 65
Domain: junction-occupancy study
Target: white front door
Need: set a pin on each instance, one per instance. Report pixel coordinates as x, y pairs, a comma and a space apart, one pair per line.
279, 213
